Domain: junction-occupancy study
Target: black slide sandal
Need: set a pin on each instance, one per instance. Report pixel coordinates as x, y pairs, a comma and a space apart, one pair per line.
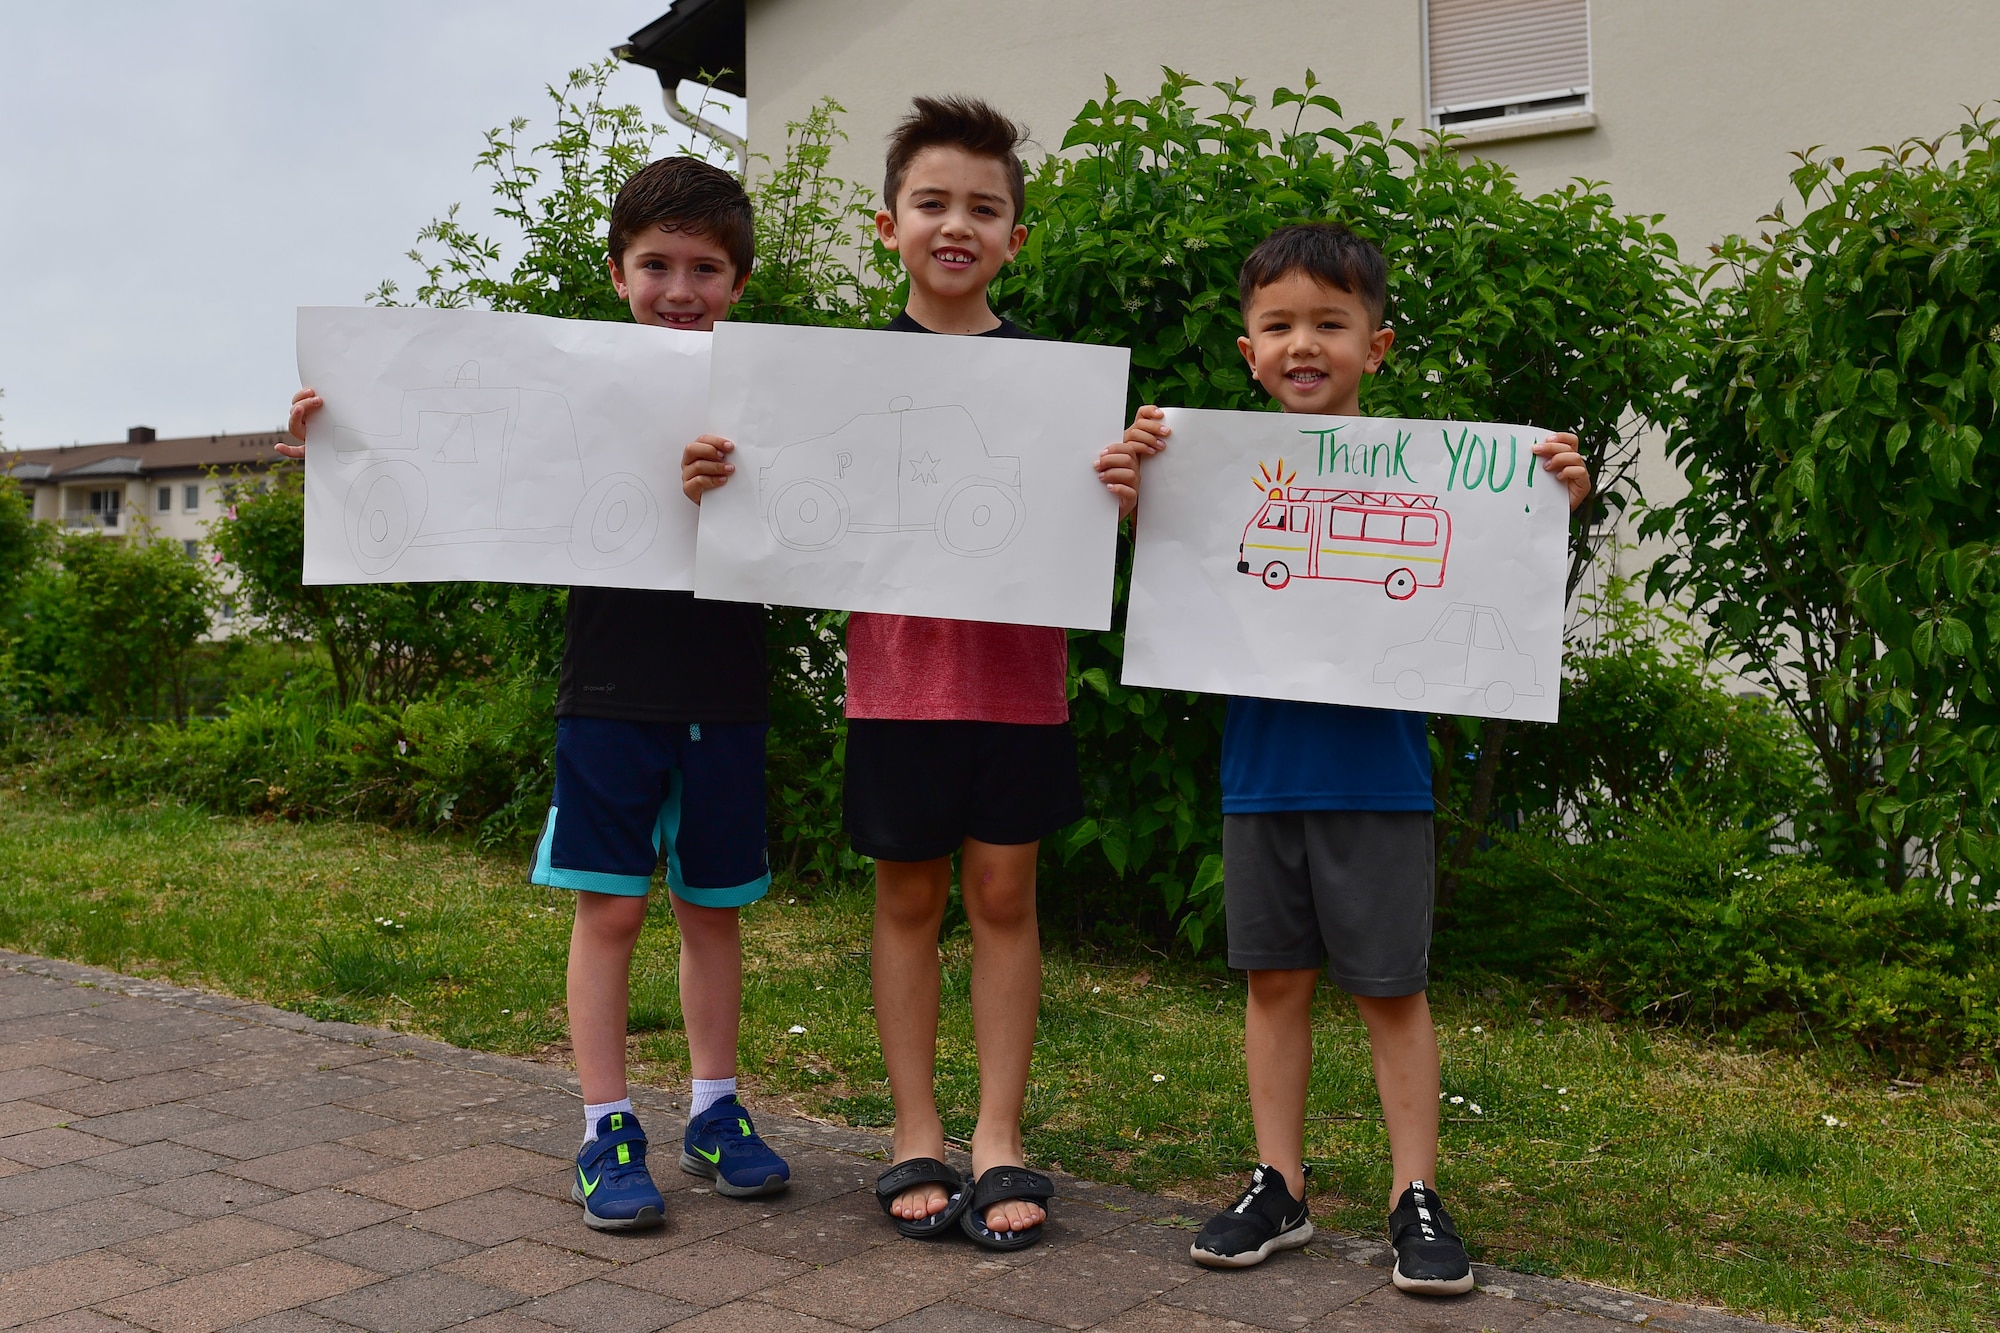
998, 1185
904, 1176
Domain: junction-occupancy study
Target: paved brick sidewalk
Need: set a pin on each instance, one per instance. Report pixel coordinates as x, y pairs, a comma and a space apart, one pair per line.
185, 1162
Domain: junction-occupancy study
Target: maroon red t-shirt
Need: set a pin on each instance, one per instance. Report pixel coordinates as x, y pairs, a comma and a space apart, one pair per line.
921, 669
914, 667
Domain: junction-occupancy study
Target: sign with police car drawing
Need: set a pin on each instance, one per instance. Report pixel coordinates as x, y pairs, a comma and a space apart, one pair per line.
914, 474
469, 444
1354, 560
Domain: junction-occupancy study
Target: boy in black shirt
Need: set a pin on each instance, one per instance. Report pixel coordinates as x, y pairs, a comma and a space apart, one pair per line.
660, 728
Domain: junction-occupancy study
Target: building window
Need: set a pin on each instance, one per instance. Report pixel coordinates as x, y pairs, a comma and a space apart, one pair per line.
190, 498
105, 506
1492, 60
190, 547
163, 499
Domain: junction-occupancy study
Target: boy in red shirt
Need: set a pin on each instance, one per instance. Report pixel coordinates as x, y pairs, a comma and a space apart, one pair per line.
958, 738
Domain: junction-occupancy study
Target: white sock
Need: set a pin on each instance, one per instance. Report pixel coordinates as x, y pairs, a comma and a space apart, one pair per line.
709, 1091
596, 1111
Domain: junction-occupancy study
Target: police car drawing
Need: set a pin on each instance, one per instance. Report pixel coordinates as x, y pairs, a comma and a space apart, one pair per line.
1469, 650
910, 469
505, 466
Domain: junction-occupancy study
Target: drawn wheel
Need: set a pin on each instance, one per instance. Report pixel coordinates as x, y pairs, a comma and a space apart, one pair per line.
809, 515
1401, 585
614, 523
1410, 684
979, 517
385, 506
1499, 696
1276, 575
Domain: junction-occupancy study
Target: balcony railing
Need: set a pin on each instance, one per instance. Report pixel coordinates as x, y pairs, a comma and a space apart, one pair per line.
82, 520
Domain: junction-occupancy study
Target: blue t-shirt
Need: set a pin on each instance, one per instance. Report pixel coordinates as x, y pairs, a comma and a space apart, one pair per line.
1281, 755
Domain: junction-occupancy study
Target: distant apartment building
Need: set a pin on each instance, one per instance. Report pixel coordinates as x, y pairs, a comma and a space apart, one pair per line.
144, 487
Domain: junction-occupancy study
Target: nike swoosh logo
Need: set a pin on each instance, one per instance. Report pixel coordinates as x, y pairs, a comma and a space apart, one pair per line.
712, 1158
589, 1185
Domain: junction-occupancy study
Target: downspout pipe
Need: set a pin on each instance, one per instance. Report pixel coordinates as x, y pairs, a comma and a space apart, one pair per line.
738, 146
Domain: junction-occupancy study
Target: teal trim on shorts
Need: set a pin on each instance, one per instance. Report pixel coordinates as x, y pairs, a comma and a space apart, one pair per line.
666, 829
740, 896
583, 881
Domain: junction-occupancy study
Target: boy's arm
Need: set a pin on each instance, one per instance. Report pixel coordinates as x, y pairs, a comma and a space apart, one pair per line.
1118, 465
304, 403
705, 465
1559, 455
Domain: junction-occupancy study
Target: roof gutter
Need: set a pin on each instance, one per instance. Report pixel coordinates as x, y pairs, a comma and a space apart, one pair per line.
699, 41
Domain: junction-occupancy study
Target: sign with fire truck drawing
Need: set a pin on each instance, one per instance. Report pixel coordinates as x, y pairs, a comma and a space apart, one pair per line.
914, 474
1388, 563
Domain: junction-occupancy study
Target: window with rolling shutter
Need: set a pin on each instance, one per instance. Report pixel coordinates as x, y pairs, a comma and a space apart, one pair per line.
1489, 59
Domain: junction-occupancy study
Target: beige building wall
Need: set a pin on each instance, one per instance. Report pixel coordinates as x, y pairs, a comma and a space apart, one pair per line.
1697, 104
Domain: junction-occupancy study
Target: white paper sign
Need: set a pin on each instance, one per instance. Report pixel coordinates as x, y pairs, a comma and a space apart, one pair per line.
1354, 560
465, 444
915, 474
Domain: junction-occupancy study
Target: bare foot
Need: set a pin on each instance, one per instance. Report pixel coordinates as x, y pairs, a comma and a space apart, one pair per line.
920, 1201
1014, 1215
1010, 1214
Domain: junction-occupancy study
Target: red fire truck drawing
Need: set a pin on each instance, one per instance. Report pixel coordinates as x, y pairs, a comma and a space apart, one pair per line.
1395, 540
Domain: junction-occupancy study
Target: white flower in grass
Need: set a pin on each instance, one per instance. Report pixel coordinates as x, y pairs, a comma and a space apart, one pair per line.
795, 1030
1562, 1092
1477, 1028
1458, 1101
1831, 1122
1162, 1078
1095, 989
1475, 1109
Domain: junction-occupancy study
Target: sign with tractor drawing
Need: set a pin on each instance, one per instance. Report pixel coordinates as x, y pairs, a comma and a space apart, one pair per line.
1354, 560
914, 474
462, 444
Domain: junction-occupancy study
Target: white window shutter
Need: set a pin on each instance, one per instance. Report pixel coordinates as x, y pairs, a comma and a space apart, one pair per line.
1489, 55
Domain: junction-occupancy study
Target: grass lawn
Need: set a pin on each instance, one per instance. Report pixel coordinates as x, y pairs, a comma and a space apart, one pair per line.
1646, 1159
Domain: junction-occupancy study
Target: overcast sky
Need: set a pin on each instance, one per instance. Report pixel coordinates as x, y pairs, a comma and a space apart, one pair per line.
178, 176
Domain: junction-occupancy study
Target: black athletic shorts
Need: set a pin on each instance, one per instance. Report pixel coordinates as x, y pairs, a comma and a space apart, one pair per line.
916, 790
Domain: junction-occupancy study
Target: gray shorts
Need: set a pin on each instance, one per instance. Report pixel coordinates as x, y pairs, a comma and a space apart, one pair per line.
1348, 888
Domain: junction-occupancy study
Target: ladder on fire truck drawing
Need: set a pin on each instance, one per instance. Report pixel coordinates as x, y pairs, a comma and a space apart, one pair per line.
1395, 540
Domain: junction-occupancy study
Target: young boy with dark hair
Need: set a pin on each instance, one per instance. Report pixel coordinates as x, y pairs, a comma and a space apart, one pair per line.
958, 738
660, 722
1327, 837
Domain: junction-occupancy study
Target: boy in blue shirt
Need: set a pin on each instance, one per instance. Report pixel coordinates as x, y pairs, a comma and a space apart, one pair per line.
660, 722
1327, 840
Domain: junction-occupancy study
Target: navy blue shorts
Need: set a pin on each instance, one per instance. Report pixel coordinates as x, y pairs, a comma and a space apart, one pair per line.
628, 791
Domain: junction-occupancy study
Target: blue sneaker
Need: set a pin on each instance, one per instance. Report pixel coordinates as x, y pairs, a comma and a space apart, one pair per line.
722, 1144
612, 1183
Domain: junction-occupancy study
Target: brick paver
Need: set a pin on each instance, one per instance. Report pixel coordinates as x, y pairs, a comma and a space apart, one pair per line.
179, 1162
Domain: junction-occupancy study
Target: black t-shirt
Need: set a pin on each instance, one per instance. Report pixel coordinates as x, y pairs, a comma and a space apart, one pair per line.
1008, 329
646, 655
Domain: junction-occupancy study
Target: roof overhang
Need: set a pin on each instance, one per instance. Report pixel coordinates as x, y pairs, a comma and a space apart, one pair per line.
692, 39
109, 467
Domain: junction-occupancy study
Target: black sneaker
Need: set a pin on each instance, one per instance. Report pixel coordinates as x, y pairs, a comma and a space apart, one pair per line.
1264, 1219
1430, 1258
